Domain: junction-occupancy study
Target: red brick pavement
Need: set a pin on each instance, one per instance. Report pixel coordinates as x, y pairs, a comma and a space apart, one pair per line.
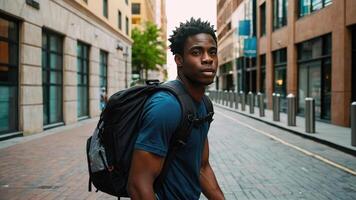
50, 167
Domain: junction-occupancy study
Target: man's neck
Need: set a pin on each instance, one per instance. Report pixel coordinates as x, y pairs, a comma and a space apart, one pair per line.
195, 90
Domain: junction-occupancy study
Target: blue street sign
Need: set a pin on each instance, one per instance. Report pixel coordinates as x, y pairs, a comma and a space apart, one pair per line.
244, 27
250, 47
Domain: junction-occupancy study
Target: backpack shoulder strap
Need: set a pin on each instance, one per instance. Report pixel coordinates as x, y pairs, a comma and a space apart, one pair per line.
184, 129
209, 107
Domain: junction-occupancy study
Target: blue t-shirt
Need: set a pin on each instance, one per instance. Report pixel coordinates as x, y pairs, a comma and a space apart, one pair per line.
161, 117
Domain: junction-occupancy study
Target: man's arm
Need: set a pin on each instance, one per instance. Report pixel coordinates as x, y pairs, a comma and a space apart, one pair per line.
208, 182
145, 167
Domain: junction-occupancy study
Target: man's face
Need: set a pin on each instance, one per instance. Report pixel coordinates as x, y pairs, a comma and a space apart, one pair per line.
199, 61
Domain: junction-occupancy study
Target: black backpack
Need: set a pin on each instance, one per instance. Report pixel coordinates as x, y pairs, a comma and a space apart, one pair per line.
110, 148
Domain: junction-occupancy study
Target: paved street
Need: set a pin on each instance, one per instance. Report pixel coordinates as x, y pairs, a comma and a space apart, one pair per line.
252, 160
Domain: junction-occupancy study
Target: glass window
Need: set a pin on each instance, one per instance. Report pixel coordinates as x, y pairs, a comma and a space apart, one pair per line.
280, 76
136, 8
314, 72
83, 80
119, 20
263, 19
308, 6
52, 77
8, 75
127, 25
280, 8
103, 69
105, 8
263, 73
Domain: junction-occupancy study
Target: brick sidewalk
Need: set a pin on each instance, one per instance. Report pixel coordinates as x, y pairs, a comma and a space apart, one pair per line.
51, 167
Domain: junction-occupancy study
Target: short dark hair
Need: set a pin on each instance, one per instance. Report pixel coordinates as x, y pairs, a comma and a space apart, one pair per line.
189, 28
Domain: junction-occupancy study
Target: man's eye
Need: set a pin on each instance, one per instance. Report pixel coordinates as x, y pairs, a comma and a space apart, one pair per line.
196, 52
213, 52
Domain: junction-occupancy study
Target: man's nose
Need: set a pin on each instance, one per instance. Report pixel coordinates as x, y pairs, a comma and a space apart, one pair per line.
207, 59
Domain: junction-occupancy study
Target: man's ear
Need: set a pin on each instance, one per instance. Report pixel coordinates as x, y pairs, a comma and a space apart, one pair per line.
179, 60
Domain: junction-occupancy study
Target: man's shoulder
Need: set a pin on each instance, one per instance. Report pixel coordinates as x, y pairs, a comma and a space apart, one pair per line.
164, 103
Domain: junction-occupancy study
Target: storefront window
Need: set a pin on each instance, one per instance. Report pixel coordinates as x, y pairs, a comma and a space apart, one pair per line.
280, 76
52, 74
314, 64
9, 47
263, 73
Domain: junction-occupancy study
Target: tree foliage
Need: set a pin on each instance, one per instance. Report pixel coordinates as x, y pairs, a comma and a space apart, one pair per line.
147, 50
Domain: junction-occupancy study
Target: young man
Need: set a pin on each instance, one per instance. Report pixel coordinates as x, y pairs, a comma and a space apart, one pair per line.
194, 45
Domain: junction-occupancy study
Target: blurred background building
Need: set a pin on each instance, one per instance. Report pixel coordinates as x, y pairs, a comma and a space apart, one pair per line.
151, 11
55, 58
303, 47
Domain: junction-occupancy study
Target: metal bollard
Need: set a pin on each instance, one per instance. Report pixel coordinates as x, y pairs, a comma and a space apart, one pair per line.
353, 123
261, 104
242, 99
226, 98
291, 110
276, 106
236, 94
231, 98
251, 100
309, 115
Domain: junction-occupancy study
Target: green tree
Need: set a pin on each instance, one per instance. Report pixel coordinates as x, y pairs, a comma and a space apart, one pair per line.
147, 50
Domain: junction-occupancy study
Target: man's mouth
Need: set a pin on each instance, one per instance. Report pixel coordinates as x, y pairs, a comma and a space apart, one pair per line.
209, 72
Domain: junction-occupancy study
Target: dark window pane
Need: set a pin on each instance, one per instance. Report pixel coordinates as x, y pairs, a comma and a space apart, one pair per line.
44, 41
127, 25
55, 104
4, 28
13, 31
44, 76
44, 59
8, 108
327, 45
55, 77
105, 8
326, 90
54, 43
4, 74
263, 19
55, 61
52, 79
14, 54
79, 50
85, 66
136, 8
4, 52
119, 20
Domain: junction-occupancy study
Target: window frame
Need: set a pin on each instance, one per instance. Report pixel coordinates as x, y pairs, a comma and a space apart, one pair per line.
83, 59
106, 8
276, 24
46, 69
13, 122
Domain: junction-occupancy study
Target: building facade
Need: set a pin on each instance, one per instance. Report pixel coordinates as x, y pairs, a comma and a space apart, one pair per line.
305, 48
56, 56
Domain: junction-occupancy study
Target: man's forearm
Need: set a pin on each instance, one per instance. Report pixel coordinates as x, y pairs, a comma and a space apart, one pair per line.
141, 192
209, 184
